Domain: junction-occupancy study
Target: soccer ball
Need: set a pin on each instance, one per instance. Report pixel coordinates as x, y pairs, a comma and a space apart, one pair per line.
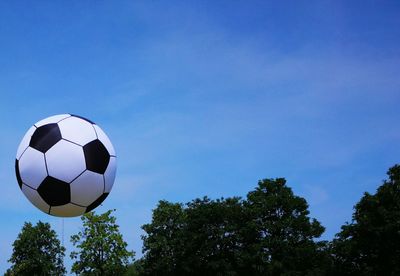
65, 165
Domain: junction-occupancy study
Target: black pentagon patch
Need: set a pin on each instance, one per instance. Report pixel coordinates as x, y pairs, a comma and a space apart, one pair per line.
83, 118
97, 202
17, 173
96, 156
55, 192
45, 137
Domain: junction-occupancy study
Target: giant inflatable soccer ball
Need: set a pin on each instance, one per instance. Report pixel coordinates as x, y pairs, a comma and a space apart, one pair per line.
65, 165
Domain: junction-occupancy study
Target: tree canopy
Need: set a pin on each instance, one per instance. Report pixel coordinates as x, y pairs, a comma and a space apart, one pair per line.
37, 251
280, 235
101, 248
269, 232
370, 244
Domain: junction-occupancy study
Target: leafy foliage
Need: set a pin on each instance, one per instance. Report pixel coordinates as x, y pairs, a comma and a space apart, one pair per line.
279, 238
135, 268
269, 233
370, 245
101, 248
37, 251
165, 239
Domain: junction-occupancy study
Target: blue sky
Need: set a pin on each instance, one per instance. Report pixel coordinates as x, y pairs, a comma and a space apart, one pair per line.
206, 98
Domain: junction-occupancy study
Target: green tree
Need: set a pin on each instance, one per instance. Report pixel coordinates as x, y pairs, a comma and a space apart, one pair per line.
279, 238
269, 233
196, 239
164, 245
101, 248
37, 251
212, 232
135, 268
370, 244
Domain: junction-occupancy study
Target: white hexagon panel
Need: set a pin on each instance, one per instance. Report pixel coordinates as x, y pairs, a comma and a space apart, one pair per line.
65, 161
65, 165
76, 130
88, 187
67, 210
32, 168
109, 175
34, 197
105, 140
52, 119
25, 141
